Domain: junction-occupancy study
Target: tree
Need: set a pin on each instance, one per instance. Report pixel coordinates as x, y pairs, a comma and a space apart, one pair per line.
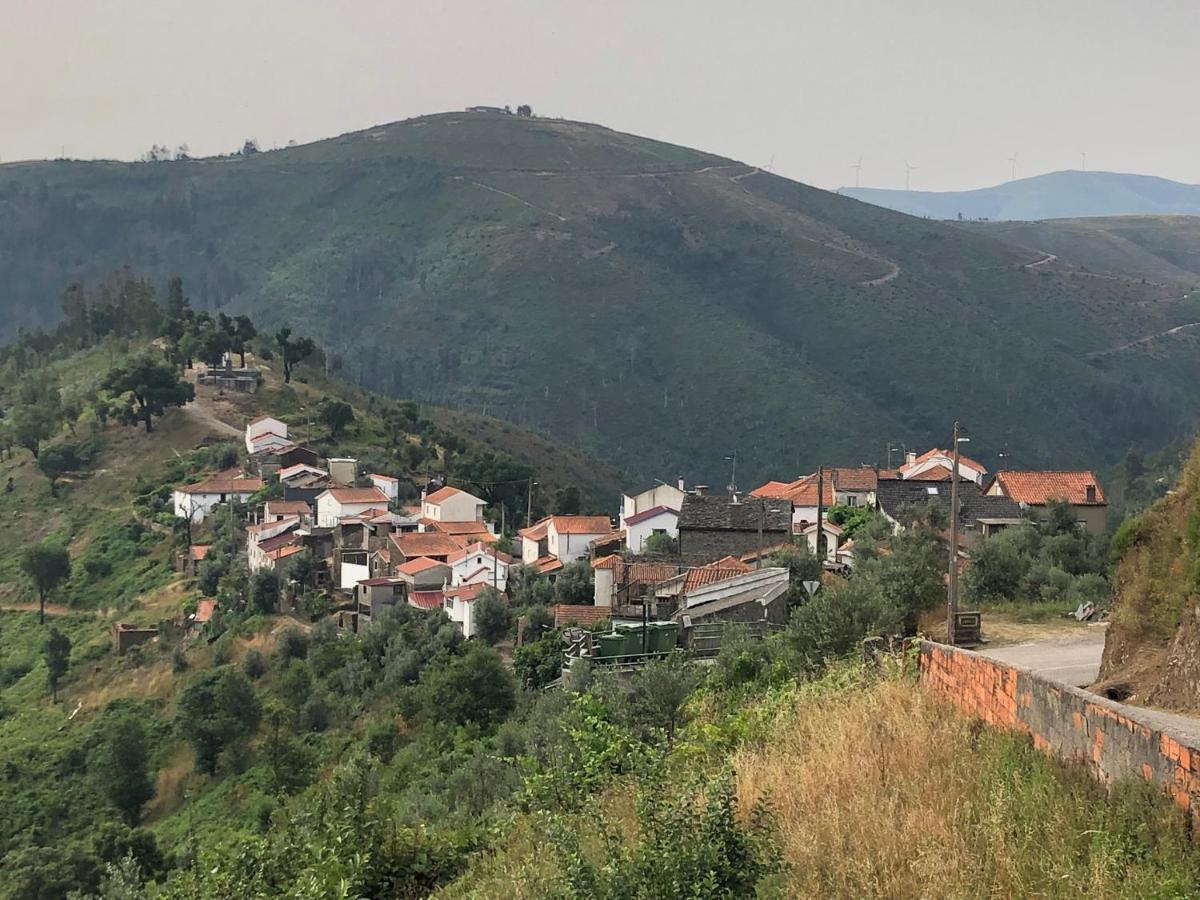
47, 566
264, 591
335, 415
244, 332
567, 501
214, 711
660, 544
58, 659
292, 352
57, 461
177, 311
576, 583
122, 765
249, 147
658, 693
37, 412
539, 662
492, 616
151, 387
475, 687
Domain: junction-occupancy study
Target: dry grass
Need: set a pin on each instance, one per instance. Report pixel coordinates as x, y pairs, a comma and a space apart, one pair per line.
887, 792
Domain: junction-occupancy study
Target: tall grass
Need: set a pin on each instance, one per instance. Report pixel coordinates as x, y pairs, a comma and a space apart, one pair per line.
884, 791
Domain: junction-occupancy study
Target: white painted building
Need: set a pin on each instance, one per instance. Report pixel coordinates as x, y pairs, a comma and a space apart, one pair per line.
266, 433
656, 520
196, 501
916, 466
386, 483
661, 494
833, 537
335, 503
449, 504
459, 603
562, 538
479, 563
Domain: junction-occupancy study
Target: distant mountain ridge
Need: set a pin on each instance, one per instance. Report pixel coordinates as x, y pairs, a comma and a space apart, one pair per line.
650, 304
1056, 195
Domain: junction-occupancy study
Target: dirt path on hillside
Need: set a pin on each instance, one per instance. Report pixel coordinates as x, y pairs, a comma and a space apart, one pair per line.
1178, 329
52, 609
201, 411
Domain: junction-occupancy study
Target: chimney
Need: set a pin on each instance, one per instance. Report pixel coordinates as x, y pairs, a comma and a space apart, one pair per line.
681, 483
1090, 493
910, 457
701, 490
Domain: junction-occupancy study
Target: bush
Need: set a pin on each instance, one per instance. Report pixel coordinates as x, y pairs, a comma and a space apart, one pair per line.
293, 644
539, 662
254, 665
492, 616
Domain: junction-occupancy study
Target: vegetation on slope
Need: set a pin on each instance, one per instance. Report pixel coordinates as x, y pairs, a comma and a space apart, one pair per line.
650, 303
1152, 648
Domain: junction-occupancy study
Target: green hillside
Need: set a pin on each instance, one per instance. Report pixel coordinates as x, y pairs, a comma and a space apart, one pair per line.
656, 306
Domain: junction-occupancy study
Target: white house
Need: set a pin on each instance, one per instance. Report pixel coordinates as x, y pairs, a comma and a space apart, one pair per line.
656, 520
196, 501
274, 510
449, 504
915, 466
265, 433
660, 494
479, 563
562, 538
424, 574
386, 483
261, 540
335, 503
833, 536
459, 603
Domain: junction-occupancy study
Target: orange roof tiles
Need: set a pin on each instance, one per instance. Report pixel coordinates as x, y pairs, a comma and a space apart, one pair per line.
466, 592
418, 564
471, 527
228, 482
721, 570
547, 564
443, 494
204, 611
1038, 488
937, 473
198, 551
481, 548
429, 543
583, 615
359, 495
948, 454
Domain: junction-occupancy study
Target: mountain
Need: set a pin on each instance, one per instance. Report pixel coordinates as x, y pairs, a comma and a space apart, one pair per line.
1056, 195
653, 305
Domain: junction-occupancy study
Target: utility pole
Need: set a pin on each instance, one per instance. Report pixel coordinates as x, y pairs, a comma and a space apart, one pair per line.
762, 516
820, 513
952, 585
529, 505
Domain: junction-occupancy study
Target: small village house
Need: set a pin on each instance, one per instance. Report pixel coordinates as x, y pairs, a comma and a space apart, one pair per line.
915, 465
832, 540
801, 494
424, 574
344, 471
556, 541
479, 563
1034, 490
655, 520
375, 596
274, 510
197, 501
459, 604
336, 503
387, 484
712, 527
302, 475
266, 433
450, 504
656, 495
979, 515
428, 544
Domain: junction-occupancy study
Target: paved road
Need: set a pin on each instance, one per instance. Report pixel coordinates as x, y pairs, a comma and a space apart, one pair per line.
1071, 660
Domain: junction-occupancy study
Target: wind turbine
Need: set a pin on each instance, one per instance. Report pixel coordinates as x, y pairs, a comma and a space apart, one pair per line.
1013, 160
1083, 160
857, 167
908, 170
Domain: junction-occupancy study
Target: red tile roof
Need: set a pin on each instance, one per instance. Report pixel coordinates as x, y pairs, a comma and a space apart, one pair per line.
937, 473
479, 547
198, 551
721, 570
418, 564
1038, 488
465, 528
583, 615
598, 525
466, 592
283, 552
287, 508
204, 611
861, 478
426, 599
229, 482
443, 494
359, 495
547, 564
383, 477
948, 454
427, 543
651, 513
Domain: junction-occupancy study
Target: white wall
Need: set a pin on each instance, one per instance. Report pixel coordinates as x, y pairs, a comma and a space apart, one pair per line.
569, 547
635, 535
352, 574
461, 507
202, 505
603, 593
659, 495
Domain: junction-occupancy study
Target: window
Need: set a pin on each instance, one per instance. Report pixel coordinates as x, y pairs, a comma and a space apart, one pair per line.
851, 500
448, 604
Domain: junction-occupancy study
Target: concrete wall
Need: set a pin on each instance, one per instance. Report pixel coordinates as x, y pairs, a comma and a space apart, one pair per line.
1112, 739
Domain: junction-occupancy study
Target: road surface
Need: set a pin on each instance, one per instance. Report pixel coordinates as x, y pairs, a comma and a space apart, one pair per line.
1072, 660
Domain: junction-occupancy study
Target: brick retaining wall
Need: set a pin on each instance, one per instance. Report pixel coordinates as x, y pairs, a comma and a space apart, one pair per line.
1114, 740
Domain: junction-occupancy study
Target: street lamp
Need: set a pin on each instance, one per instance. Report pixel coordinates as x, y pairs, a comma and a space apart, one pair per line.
733, 473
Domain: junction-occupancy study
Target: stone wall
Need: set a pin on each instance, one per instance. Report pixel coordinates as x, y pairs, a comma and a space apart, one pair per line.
1112, 739
700, 546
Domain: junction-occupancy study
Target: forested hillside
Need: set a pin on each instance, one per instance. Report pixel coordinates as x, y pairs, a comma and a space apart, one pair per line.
655, 305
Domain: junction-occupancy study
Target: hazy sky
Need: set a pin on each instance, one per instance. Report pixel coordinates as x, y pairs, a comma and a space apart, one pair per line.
955, 87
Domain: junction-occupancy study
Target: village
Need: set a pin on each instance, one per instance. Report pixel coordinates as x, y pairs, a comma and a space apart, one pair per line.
687, 560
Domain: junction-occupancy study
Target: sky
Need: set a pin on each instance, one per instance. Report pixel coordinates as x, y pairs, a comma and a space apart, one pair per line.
955, 88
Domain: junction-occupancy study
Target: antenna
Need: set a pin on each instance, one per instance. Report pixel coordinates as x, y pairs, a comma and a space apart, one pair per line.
1083, 161
857, 167
1013, 161
908, 170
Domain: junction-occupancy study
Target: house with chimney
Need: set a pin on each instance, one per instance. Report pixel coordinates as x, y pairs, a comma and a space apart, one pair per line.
659, 495
1034, 490
801, 494
980, 515
479, 563
336, 503
916, 466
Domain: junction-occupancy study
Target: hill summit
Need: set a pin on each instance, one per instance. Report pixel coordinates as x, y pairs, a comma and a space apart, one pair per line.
655, 305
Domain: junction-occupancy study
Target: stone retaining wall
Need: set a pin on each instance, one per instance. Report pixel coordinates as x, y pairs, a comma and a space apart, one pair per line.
1114, 740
